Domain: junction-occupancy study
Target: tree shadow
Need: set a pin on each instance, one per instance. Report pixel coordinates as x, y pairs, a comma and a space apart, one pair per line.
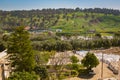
83, 73
87, 76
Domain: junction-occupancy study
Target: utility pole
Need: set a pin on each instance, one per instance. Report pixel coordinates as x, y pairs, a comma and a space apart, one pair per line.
102, 67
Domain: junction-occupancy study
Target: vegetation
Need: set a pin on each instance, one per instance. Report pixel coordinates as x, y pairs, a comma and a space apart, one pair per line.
74, 73
94, 44
74, 59
20, 50
69, 21
23, 76
50, 45
2, 43
42, 72
74, 66
42, 57
2, 47
90, 61
97, 42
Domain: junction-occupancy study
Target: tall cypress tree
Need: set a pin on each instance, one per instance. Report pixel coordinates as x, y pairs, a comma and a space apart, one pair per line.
20, 50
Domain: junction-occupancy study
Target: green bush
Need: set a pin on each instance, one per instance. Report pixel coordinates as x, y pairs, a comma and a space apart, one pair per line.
74, 59
74, 73
23, 76
90, 61
64, 75
74, 66
42, 72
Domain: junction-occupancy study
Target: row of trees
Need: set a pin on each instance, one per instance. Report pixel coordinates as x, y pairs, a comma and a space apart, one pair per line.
95, 44
75, 44
101, 10
50, 45
28, 13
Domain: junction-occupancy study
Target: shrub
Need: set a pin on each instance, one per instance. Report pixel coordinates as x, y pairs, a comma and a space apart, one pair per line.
74, 73
74, 59
74, 66
23, 76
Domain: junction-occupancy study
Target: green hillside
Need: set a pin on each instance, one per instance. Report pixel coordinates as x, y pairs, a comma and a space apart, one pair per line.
83, 22
67, 20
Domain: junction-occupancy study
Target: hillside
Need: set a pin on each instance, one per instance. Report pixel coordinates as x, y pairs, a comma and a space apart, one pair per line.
82, 22
66, 20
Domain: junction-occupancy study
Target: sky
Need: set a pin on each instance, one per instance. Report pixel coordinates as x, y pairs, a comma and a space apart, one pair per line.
40, 4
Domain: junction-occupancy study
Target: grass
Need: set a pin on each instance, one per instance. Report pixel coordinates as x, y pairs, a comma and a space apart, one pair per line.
76, 22
109, 23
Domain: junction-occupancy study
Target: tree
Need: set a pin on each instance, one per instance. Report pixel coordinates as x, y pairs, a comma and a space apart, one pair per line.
90, 61
42, 72
74, 66
74, 59
77, 9
117, 34
98, 35
20, 49
23, 76
63, 46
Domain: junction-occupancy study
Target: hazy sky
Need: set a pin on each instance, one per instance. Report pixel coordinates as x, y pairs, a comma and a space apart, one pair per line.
39, 4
